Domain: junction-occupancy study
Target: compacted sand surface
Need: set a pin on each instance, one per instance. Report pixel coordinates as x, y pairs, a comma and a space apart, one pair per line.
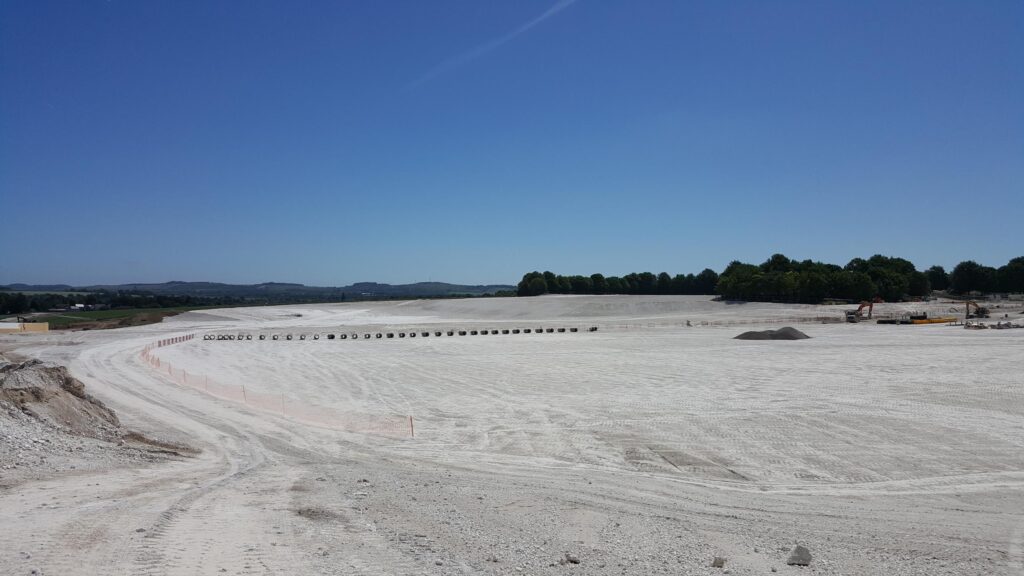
653, 445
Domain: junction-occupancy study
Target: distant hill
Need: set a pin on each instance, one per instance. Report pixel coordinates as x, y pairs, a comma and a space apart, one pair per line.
211, 289
38, 288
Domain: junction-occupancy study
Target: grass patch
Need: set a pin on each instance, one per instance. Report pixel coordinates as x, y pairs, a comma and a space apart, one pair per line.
102, 319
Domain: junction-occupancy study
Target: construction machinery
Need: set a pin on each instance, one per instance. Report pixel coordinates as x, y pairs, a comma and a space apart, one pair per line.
857, 315
979, 311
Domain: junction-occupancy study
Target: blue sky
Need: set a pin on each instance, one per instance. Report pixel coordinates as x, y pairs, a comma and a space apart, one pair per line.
333, 142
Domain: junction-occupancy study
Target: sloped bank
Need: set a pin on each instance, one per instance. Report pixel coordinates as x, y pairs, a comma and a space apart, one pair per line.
49, 425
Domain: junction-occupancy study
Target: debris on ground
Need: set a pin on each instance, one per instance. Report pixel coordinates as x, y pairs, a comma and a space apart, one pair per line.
799, 556
786, 333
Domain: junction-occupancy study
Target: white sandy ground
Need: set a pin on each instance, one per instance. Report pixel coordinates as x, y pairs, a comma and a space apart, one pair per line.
647, 447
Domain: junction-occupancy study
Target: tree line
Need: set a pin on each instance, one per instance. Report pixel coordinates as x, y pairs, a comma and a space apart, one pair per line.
537, 283
780, 279
21, 303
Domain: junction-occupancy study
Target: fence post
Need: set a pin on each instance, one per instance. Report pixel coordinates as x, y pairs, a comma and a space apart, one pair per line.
412, 429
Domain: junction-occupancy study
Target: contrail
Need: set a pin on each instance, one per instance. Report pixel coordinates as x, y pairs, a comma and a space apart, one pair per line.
486, 47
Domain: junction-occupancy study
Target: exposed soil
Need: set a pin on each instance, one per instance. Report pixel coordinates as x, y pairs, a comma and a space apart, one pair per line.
49, 425
656, 445
786, 333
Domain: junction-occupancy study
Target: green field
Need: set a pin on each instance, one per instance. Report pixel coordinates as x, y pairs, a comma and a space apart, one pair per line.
132, 316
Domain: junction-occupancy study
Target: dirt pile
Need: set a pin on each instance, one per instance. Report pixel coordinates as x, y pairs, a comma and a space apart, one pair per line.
786, 333
50, 425
50, 394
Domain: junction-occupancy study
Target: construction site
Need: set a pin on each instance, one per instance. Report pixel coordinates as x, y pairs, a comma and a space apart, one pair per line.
582, 435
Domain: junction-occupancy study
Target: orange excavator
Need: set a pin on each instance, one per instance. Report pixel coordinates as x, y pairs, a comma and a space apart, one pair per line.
858, 314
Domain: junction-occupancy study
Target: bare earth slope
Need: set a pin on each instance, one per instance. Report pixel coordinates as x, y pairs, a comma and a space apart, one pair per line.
650, 446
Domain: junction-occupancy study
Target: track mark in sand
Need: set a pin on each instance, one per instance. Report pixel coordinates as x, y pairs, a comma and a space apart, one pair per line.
81, 545
333, 527
691, 460
1015, 551
155, 556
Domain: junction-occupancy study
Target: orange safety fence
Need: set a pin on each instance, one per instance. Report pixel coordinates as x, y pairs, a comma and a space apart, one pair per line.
390, 425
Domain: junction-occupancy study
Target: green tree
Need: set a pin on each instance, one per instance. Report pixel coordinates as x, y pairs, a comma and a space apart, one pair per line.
664, 283
969, 276
538, 286
529, 286
938, 278
647, 283
1010, 278
684, 284
581, 285
891, 285
812, 287
614, 285
705, 282
918, 285
777, 263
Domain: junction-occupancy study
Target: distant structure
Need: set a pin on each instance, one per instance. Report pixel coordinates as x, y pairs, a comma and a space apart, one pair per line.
19, 327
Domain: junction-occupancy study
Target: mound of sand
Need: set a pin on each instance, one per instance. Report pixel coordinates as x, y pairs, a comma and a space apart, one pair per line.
49, 425
786, 333
50, 394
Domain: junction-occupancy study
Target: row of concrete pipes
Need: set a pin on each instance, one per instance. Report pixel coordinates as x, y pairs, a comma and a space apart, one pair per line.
383, 335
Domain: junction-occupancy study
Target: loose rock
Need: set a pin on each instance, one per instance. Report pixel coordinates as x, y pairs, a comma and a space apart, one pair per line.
799, 556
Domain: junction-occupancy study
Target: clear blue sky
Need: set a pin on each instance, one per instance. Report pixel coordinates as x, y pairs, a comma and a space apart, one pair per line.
331, 142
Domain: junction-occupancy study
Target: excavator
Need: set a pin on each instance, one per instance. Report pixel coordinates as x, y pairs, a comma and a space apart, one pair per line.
857, 315
979, 311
